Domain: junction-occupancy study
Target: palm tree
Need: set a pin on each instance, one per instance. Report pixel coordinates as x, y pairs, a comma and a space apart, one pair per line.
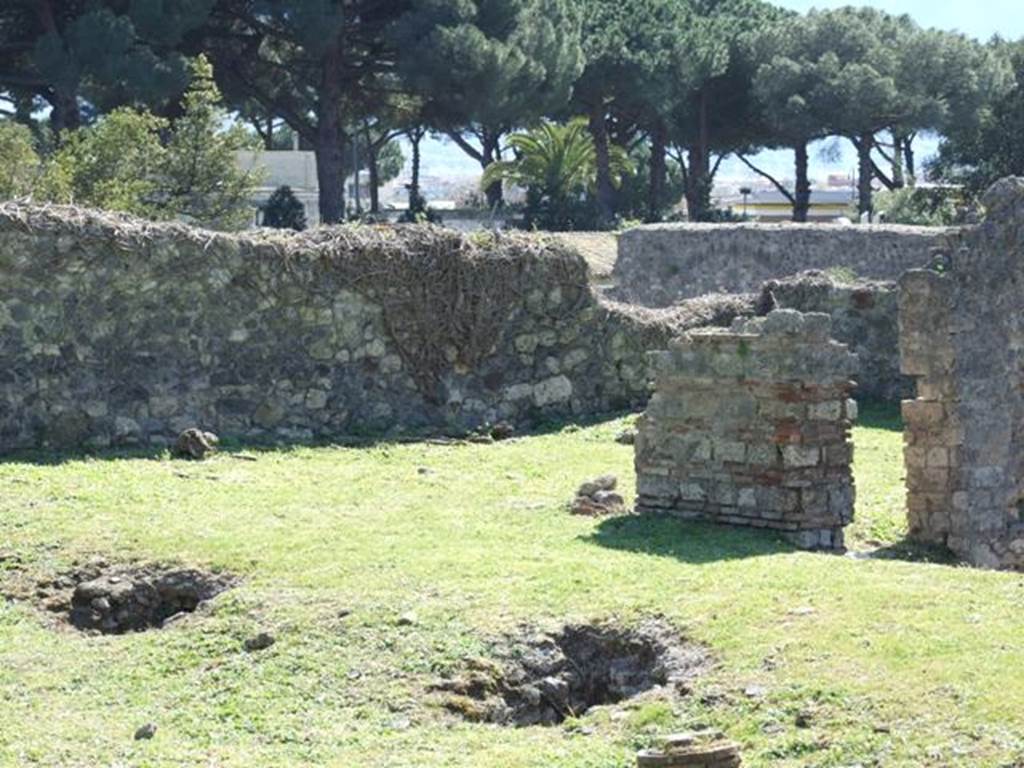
558, 167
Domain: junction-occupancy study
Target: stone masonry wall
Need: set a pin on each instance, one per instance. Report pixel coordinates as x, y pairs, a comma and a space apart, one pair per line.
661, 263
750, 426
118, 331
962, 338
865, 317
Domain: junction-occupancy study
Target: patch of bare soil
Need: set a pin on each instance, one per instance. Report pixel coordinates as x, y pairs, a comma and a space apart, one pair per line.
543, 678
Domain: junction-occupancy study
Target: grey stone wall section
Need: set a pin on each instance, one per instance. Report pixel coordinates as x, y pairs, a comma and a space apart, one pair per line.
962, 338
659, 264
865, 317
116, 331
750, 426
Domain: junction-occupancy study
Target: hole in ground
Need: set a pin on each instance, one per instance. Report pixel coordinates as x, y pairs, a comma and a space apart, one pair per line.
544, 678
116, 599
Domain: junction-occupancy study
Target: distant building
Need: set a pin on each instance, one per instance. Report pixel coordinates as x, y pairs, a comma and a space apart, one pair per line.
296, 169
771, 205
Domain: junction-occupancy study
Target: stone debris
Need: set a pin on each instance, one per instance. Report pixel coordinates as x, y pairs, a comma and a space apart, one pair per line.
701, 749
542, 678
597, 498
626, 437
503, 430
260, 642
115, 599
195, 444
751, 427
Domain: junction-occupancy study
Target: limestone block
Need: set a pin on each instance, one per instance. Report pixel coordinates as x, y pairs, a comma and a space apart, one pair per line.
557, 389
794, 456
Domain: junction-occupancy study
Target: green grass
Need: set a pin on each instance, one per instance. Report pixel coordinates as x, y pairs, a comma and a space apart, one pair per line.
883, 661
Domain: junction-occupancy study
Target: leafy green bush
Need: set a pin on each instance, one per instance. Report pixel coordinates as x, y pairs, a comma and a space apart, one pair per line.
136, 162
112, 165
21, 166
932, 206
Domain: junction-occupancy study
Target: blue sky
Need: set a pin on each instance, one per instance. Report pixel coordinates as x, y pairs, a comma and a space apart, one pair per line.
979, 18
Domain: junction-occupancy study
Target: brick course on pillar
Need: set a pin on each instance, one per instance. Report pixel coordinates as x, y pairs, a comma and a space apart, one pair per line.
751, 426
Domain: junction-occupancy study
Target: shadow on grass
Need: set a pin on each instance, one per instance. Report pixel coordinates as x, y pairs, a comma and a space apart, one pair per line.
42, 457
689, 542
232, 446
910, 551
876, 414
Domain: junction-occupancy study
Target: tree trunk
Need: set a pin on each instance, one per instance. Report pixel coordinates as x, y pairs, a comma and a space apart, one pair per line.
495, 192
371, 167
866, 173
417, 204
602, 156
909, 161
658, 173
416, 160
802, 188
356, 168
330, 145
697, 188
698, 193
898, 178
330, 171
65, 114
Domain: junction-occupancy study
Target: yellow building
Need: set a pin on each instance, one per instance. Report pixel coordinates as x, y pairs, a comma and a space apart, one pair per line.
771, 205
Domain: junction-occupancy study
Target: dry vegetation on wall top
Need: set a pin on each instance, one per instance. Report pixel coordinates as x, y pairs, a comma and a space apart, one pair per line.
445, 295
122, 331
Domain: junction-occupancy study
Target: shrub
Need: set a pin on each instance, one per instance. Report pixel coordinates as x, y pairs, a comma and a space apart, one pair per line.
135, 162
19, 171
284, 211
932, 206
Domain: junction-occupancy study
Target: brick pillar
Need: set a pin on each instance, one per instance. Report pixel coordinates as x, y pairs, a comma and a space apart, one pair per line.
750, 426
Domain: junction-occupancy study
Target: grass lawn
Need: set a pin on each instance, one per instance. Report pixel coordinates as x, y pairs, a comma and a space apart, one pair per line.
819, 660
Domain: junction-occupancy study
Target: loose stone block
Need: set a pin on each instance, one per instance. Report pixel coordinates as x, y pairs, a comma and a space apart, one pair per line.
701, 749
764, 445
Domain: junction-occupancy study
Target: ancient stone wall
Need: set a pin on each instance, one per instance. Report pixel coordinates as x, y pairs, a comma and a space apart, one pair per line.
118, 331
750, 426
662, 263
962, 338
865, 317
